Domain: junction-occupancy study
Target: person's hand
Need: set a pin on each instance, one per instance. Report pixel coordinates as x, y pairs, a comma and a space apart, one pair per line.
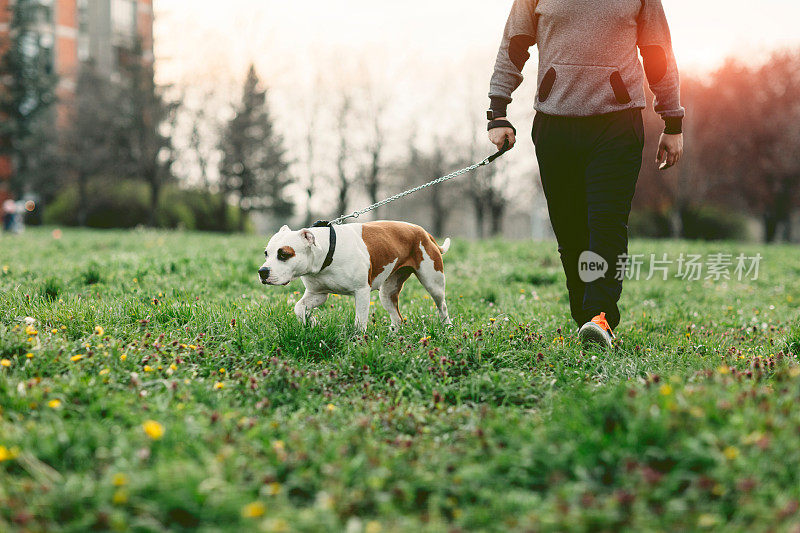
498, 137
670, 150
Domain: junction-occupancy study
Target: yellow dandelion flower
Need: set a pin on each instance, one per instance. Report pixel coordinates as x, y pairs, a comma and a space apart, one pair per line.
54, 404
120, 497
99, 331
259, 362
278, 445
665, 389
221, 370
274, 488
123, 357
7, 454
192, 347
731, 453
119, 480
724, 370
29, 355
5, 362
77, 357
173, 367
104, 371
330, 407
219, 385
253, 510
492, 320
31, 331
153, 429
148, 368
53, 331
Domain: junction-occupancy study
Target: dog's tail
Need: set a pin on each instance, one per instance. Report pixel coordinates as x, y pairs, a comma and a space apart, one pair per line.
445, 246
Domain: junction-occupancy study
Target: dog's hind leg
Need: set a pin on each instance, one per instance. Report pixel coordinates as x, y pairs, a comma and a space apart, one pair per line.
309, 301
433, 281
390, 291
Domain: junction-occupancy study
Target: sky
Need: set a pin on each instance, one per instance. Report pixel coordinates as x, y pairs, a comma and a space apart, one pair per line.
286, 37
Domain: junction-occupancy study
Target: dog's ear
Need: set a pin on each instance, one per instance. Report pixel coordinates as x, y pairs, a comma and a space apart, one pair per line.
309, 237
284, 228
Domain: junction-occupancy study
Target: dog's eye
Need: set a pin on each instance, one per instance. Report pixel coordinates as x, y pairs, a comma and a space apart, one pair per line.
283, 256
266, 254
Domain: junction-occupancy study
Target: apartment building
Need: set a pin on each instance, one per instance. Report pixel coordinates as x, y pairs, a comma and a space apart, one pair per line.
72, 32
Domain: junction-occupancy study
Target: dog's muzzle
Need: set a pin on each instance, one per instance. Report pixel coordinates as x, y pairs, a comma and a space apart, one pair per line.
263, 273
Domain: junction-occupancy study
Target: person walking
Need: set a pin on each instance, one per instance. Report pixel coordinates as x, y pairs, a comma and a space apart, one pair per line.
588, 129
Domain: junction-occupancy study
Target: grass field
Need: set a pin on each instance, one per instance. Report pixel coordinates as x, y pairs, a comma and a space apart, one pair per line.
160, 387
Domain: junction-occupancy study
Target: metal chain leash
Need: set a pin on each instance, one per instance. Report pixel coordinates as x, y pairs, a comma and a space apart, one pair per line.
488, 160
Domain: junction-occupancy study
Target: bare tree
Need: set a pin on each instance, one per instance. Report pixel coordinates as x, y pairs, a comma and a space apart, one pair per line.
421, 166
371, 173
309, 179
344, 177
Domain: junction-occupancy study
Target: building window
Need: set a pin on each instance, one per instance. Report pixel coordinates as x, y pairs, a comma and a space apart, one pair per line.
44, 12
123, 19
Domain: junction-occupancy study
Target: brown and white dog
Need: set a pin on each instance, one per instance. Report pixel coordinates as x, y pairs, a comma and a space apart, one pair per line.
366, 257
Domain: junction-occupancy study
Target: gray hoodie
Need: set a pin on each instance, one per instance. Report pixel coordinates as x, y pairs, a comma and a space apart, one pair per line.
588, 61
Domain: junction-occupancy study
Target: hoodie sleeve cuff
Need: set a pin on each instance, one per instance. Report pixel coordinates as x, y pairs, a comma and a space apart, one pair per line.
673, 125
499, 105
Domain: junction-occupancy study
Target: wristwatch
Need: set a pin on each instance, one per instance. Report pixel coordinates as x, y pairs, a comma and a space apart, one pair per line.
492, 114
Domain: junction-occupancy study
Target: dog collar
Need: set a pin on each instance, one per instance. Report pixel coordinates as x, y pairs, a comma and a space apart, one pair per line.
331, 243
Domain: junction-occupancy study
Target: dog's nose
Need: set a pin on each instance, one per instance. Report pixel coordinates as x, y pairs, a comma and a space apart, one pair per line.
263, 272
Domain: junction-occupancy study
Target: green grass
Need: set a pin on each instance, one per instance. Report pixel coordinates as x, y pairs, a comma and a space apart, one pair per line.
497, 423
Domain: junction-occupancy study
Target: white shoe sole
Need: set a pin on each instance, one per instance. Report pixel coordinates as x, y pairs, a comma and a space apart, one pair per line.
592, 335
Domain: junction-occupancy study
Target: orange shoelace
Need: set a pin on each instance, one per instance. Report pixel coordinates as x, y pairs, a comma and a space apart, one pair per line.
601, 321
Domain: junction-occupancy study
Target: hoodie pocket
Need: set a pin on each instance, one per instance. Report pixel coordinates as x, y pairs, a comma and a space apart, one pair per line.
582, 90
547, 84
620, 91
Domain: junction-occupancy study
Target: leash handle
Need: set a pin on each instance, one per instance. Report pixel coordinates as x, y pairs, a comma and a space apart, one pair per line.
506, 147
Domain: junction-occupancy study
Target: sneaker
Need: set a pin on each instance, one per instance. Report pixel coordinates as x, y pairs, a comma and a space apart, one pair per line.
597, 332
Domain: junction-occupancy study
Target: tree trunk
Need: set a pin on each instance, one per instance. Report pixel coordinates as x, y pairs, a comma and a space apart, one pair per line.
372, 190
497, 212
155, 196
438, 214
341, 204
480, 212
309, 214
83, 206
242, 218
770, 227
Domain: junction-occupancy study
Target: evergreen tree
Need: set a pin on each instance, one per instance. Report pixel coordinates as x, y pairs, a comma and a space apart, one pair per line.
253, 168
26, 95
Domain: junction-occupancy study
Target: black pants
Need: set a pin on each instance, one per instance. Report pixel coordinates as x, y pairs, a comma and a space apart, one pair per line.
589, 168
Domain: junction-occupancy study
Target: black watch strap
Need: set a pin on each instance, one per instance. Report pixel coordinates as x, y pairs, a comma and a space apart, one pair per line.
500, 123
